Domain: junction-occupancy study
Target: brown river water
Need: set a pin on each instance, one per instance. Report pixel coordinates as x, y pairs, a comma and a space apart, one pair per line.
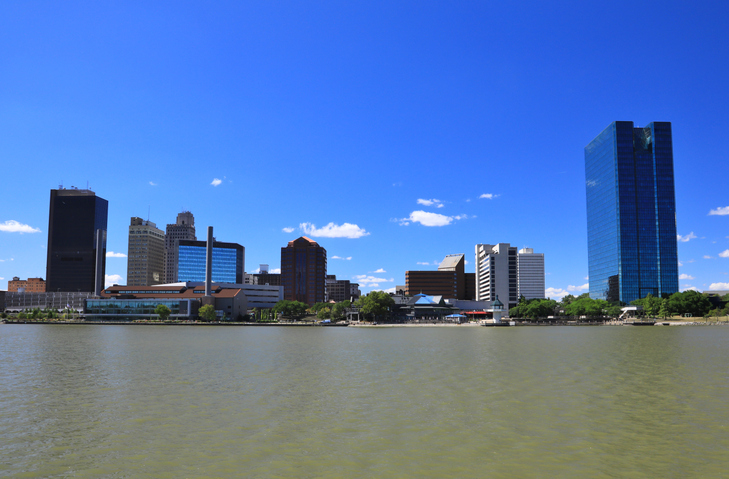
175, 402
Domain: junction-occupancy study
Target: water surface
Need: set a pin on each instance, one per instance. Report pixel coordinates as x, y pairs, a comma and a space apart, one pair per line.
126, 401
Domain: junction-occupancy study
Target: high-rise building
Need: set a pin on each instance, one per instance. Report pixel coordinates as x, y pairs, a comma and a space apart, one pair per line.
145, 254
76, 230
631, 212
497, 273
303, 271
530, 274
228, 262
183, 229
448, 281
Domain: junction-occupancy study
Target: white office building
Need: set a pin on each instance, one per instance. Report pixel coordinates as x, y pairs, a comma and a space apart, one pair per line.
496, 273
530, 274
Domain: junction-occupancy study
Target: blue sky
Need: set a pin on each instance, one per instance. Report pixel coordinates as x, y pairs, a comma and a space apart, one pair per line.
393, 133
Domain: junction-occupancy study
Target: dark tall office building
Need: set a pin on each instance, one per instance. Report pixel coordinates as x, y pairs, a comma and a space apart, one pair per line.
74, 219
631, 212
303, 271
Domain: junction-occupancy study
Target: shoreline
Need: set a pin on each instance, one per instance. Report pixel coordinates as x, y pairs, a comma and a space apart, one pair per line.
354, 325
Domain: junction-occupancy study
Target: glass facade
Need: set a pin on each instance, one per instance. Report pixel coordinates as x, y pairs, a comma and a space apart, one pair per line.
631, 212
131, 309
227, 262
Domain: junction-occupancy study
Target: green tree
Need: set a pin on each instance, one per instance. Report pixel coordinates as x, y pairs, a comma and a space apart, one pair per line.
338, 310
162, 311
207, 312
691, 302
586, 306
663, 311
376, 304
324, 313
290, 309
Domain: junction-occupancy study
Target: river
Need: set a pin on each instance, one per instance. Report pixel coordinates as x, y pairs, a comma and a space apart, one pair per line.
156, 401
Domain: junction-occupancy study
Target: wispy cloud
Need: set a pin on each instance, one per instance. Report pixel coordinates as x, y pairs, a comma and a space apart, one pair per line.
288, 229
110, 279
719, 286
488, 196
345, 230
686, 238
111, 254
724, 254
688, 287
433, 202
685, 276
152, 183
339, 257
12, 226
216, 181
388, 290
427, 218
721, 211
578, 288
274, 270
424, 263
380, 270
706, 256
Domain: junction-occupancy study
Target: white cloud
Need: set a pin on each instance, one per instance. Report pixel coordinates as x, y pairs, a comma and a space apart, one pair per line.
706, 256
216, 182
685, 239
680, 263
388, 290
112, 279
1, 278
724, 254
578, 288
274, 270
587, 278
555, 293
685, 276
288, 229
152, 183
339, 257
721, 211
688, 287
370, 281
380, 270
424, 263
111, 254
346, 230
426, 218
718, 286
12, 226
488, 196
433, 202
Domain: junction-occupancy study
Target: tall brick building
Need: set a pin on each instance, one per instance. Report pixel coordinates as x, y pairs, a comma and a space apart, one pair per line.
304, 271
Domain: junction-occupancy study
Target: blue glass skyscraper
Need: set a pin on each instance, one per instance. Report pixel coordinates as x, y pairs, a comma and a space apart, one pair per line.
631, 212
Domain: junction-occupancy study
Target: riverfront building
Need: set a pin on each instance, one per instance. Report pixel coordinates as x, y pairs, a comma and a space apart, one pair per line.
497, 273
449, 281
30, 285
228, 261
76, 258
182, 229
530, 274
631, 212
303, 271
338, 289
145, 254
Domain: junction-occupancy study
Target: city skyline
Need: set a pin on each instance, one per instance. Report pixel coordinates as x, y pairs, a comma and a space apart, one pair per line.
391, 134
